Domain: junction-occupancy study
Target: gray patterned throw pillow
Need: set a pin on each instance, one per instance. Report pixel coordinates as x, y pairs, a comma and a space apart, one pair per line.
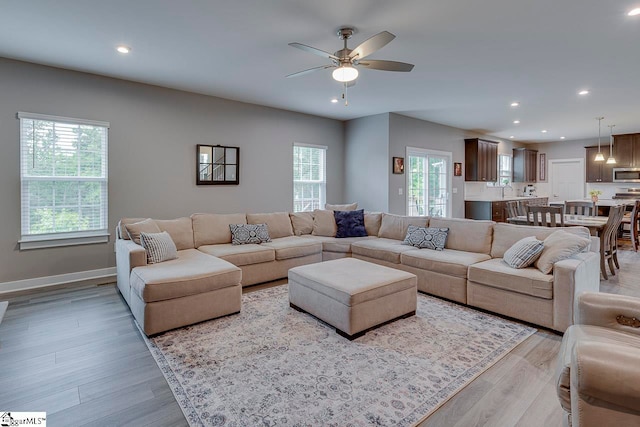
523, 253
426, 237
159, 247
242, 234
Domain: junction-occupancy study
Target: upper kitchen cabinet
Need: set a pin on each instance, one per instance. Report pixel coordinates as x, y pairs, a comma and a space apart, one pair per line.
481, 160
525, 165
626, 149
598, 171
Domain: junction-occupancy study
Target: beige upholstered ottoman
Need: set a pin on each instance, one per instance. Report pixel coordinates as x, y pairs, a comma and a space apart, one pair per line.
352, 295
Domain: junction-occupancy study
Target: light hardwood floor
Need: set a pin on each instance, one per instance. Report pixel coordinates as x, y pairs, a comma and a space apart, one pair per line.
76, 353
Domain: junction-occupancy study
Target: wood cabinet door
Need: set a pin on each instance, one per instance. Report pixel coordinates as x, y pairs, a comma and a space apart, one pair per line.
623, 150
492, 162
636, 150
498, 211
593, 168
482, 160
532, 167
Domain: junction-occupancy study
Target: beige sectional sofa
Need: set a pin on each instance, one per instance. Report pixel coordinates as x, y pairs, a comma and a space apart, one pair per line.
205, 281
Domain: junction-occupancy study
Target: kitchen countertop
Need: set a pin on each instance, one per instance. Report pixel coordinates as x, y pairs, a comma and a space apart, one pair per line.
499, 199
600, 202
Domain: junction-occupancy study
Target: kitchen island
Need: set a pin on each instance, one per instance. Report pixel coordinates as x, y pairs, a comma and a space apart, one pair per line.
495, 209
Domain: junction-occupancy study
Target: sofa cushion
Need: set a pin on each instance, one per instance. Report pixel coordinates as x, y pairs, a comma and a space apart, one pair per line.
293, 247
302, 222
449, 261
336, 245
122, 230
372, 222
180, 230
383, 249
496, 273
426, 237
558, 246
324, 223
524, 252
346, 207
145, 226
395, 226
279, 223
466, 234
244, 234
240, 254
350, 223
213, 229
505, 235
159, 247
192, 273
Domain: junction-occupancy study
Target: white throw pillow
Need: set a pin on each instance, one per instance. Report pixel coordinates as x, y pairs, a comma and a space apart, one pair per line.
524, 252
159, 247
560, 245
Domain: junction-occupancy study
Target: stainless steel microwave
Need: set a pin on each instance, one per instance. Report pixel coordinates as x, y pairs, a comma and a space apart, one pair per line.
626, 174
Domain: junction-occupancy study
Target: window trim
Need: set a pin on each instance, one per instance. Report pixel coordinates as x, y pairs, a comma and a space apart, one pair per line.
324, 174
499, 183
51, 240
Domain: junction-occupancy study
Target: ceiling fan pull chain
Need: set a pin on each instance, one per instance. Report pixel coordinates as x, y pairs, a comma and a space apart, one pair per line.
345, 95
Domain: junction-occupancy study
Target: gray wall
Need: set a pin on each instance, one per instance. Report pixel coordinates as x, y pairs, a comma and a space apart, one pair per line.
367, 162
569, 149
152, 142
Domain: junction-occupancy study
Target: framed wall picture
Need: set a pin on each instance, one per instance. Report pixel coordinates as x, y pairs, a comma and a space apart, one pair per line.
457, 169
398, 165
217, 165
543, 167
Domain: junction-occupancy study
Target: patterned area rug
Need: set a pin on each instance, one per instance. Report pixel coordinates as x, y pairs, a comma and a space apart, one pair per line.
273, 366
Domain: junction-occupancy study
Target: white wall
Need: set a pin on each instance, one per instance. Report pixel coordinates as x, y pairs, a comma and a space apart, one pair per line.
152, 143
367, 162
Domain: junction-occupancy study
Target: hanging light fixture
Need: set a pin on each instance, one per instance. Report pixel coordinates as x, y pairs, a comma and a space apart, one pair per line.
611, 160
599, 157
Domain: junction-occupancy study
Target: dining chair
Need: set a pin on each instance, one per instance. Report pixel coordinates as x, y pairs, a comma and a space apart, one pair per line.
633, 221
512, 209
608, 240
546, 216
580, 208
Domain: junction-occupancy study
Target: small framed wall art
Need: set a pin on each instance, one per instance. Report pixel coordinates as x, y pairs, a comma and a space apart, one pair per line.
457, 169
398, 165
543, 167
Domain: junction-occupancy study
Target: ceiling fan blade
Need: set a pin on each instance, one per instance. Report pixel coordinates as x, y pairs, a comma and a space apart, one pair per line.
372, 44
310, 70
377, 64
314, 51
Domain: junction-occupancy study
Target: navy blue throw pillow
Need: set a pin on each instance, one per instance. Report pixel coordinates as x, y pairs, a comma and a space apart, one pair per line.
350, 223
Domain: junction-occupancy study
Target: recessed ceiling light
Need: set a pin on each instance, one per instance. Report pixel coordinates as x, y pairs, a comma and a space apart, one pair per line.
511, 137
562, 137
583, 92
544, 131
123, 49
334, 101
515, 104
634, 12
516, 122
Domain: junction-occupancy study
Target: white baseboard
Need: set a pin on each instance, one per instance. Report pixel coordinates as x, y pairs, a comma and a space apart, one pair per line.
61, 279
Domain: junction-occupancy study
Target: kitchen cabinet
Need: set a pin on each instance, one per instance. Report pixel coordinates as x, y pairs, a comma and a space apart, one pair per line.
525, 165
626, 150
598, 171
481, 160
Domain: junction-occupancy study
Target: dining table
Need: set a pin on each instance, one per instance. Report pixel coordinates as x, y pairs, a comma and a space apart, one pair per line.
595, 224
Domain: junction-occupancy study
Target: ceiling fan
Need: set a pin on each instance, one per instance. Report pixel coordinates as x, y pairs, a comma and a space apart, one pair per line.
346, 60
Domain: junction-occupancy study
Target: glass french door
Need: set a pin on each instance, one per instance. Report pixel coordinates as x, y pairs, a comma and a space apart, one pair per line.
428, 182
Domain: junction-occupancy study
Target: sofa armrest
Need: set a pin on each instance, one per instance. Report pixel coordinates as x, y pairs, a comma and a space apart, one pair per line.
128, 256
604, 376
611, 311
595, 245
572, 276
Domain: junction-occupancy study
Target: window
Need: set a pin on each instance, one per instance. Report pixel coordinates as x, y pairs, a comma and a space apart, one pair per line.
63, 174
504, 172
428, 182
309, 177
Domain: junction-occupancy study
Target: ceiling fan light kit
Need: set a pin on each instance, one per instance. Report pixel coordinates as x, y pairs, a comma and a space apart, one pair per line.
346, 60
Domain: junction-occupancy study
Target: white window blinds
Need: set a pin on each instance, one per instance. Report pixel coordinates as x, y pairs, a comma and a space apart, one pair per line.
63, 179
309, 177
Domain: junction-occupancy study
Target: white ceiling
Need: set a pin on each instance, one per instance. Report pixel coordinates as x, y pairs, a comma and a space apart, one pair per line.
472, 58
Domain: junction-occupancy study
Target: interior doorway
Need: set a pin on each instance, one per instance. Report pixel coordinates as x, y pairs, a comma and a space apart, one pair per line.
566, 179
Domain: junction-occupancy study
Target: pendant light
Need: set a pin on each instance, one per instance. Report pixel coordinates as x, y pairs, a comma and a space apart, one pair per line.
611, 160
599, 157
